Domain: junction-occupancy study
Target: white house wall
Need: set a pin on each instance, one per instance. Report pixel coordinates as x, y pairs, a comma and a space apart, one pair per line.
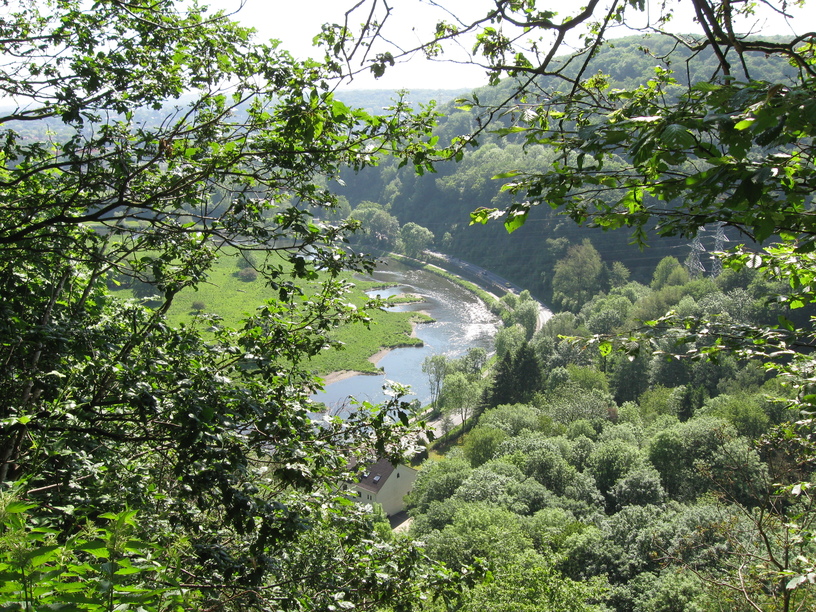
391, 493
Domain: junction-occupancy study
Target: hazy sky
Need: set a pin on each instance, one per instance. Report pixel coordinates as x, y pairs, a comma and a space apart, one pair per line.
295, 23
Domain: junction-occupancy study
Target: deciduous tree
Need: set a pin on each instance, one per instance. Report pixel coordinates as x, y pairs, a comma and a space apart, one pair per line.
577, 277
143, 141
415, 239
460, 396
435, 368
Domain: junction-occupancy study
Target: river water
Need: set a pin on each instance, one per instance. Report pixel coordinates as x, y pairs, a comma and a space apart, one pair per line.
462, 321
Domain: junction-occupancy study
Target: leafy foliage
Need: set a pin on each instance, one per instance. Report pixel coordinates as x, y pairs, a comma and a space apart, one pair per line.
99, 568
166, 137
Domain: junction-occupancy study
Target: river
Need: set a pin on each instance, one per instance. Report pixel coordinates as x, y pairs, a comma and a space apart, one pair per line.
461, 321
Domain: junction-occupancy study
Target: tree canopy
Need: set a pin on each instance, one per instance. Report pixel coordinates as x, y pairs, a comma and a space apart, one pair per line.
711, 137
179, 467
706, 139
141, 141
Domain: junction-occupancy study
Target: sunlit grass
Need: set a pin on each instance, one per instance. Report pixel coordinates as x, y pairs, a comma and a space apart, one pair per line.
232, 299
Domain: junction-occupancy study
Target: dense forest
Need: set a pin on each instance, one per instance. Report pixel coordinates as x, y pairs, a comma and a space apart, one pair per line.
644, 480
637, 482
649, 448
442, 201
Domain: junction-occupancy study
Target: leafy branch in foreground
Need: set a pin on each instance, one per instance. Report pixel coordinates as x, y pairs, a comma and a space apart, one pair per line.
148, 140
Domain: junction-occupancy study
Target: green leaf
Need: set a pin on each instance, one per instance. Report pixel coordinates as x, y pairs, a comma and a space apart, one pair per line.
17, 507
481, 215
764, 228
207, 412
677, 135
505, 175
706, 86
42, 554
516, 129
136, 546
744, 124
97, 548
633, 200
515, 221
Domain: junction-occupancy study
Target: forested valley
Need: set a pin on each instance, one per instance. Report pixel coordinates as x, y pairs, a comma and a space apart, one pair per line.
443, 200
647, 448
647, 478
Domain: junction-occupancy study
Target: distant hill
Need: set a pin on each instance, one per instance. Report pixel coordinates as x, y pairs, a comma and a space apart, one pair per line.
442, 201
375, 101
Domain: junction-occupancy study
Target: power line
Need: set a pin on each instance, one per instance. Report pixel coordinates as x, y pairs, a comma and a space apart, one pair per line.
698, 250
719, 242
694, 266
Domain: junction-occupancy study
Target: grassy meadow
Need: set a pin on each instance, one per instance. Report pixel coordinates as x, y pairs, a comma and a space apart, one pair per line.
230, 297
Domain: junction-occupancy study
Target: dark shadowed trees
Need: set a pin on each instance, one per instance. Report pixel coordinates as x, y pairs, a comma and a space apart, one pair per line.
518, 377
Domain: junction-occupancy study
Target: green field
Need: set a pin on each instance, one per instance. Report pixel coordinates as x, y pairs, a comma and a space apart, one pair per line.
226, 295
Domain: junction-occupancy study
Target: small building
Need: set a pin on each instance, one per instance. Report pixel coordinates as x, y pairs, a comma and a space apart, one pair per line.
386, 484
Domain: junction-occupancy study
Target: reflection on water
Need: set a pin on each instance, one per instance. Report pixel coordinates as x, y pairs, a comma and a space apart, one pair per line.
462, 321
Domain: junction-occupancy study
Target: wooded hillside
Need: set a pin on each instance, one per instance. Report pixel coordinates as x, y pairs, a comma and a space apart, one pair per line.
442, 201
650, 448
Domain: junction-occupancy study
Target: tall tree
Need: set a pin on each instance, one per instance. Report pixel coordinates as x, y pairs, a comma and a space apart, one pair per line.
460, 395
378, 228
578, 276
415, 239
147, 139
518, 377
472, 362
435, 368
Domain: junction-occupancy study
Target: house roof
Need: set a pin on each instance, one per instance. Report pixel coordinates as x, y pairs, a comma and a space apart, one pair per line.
374, 476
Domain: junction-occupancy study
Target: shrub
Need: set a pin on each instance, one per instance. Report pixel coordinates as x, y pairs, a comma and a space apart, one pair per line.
247, 274
246, 260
